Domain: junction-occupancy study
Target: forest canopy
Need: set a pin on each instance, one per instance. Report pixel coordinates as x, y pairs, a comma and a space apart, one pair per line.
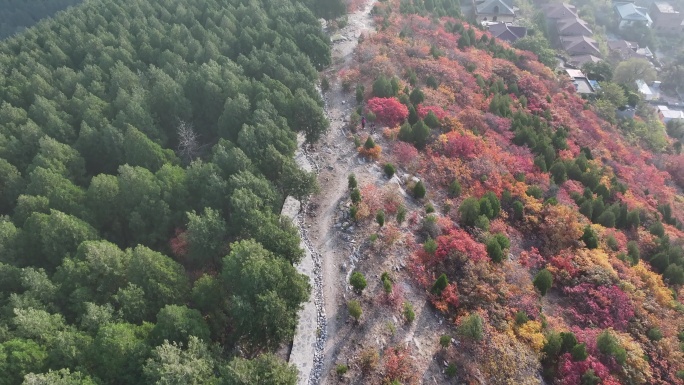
146, 148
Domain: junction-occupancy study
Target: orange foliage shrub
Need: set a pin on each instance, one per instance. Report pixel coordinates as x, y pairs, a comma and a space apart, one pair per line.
390, 234
353, 5
348, 77
560, 228
675, 166
451, 124
391, 133
372, 153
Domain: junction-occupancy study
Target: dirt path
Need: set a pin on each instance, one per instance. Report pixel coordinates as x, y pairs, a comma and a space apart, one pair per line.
335, 157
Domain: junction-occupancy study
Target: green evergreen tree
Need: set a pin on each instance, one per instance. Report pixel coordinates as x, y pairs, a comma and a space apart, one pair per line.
543, 281
469, 211
358, 281
472, 327
355, 310
389, 169
439, 285
417, 96
579, 352
380, 218
589, 238
406, 132
351, 181
419, 190
455, 189
420, 134
494, 251
382, 87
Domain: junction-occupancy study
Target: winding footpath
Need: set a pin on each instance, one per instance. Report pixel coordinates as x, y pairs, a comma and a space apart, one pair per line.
310, 341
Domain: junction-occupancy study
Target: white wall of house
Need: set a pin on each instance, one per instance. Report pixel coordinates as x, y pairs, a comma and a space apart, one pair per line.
630, 23
497, 18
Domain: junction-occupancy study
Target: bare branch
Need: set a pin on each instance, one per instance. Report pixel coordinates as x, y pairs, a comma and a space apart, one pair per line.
188, 144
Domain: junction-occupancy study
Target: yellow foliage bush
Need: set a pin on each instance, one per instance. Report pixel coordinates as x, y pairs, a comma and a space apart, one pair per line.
531, 333
451, 124
596, 265
654, 283
363, 211
505, 360
636, 368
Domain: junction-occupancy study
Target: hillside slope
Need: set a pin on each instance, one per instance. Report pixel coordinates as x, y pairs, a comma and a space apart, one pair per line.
548, 240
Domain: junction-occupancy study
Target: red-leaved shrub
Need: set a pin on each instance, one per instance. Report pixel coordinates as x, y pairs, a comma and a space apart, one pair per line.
602, 306
398, 366
388, 110
570, 372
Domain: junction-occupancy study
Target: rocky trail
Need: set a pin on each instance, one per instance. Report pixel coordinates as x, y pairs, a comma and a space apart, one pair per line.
326, 248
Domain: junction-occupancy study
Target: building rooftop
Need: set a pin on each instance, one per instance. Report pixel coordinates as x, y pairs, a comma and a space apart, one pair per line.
672, 114
629, 11
581, 45
644, 52
629, 49
664, 7
622, 44
583, 86
574, 26
575, 73
560, 11
650, 92
495, 7
508, 32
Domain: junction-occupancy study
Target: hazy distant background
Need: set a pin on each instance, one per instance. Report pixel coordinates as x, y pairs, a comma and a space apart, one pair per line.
17, 15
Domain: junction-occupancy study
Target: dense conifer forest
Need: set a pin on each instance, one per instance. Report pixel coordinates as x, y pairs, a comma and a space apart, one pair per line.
146, 148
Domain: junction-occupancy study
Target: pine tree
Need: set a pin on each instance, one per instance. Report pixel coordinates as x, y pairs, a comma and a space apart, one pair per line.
543, 281
439, 285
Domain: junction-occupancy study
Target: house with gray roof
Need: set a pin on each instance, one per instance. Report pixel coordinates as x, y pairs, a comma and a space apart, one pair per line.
630, 15
494, 10
624, 50
580, 45
666, 19
649, 91
559, 11
580, 81
666, 114
507, 32
573, 27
